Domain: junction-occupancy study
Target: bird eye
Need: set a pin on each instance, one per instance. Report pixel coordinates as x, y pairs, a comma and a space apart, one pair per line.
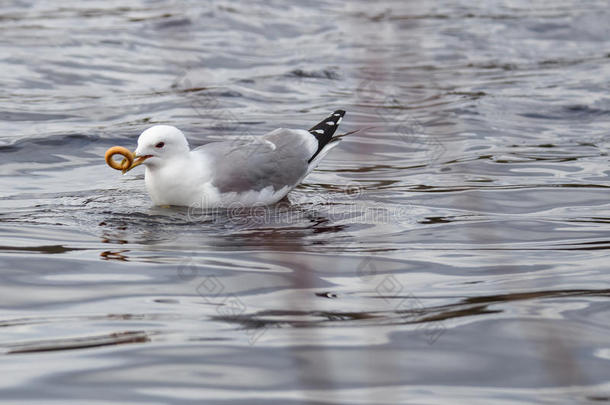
160, 145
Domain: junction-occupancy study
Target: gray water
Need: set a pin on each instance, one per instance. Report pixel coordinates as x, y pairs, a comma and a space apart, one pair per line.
454, 250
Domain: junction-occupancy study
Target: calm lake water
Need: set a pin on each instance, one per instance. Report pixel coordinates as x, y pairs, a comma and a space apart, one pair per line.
454, 250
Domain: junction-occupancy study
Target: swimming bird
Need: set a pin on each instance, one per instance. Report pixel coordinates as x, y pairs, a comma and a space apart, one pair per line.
245, 172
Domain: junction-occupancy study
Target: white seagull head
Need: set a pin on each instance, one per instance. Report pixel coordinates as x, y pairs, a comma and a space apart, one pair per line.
160, 143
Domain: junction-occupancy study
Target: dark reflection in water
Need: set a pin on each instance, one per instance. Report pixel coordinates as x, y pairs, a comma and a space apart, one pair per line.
452, 250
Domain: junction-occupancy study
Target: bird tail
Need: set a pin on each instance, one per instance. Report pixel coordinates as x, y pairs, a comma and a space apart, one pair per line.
325, 130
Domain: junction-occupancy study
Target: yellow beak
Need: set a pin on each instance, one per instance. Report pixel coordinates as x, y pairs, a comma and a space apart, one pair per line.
136, 162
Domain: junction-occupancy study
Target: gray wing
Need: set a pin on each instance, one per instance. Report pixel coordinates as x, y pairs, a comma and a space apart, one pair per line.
278, 159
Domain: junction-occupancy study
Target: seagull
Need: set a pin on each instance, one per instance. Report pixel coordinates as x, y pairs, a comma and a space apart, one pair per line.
237, 173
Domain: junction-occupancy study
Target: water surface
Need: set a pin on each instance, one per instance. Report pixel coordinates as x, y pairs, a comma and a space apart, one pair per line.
453, 250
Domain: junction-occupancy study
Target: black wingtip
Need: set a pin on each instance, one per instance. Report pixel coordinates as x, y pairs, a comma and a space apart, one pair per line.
325, 130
